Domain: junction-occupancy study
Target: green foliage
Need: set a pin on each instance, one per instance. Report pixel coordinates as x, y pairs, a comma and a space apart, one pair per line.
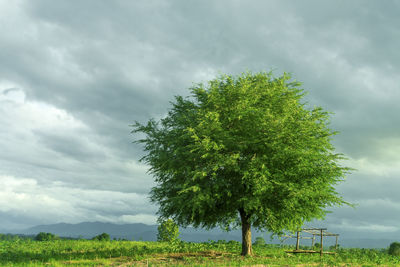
132, 253
168, 231
102, 237
42, 236
394, 249
243, 145
13, 237
334, 247
259, 241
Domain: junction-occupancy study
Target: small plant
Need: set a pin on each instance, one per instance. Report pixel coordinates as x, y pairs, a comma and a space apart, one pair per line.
394, 249
168, 231
102, 237
259, 241
42, 236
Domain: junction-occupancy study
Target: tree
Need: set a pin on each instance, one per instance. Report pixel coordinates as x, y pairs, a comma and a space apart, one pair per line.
259, 241
168, 231
42, 236
394, 249
102, 237
243, 151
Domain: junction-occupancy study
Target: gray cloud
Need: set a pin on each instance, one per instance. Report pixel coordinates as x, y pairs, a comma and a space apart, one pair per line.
75, 75
26, 199
70, 146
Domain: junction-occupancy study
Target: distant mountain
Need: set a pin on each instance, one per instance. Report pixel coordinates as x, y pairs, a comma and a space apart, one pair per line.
134, 231
366, 243
139, 231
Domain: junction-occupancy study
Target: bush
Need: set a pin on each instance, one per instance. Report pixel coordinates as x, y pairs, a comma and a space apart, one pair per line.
394, 249
259, 241
42, 236
102, 237
168, 231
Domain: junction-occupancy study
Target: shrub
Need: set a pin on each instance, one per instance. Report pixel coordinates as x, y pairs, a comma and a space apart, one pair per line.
259, 241
42, 236
168, 231
394, 249
102, 237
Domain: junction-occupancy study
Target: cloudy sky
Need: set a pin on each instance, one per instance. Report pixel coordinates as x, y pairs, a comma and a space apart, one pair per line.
75, 74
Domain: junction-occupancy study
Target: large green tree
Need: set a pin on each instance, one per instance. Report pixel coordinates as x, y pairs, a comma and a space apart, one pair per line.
243, 151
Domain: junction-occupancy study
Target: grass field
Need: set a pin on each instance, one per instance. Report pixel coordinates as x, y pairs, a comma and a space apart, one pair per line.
137, 253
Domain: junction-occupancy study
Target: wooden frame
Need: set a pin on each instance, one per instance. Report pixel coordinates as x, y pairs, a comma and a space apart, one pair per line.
314, 232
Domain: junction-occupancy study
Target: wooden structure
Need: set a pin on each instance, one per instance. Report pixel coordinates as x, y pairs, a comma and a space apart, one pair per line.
314, 232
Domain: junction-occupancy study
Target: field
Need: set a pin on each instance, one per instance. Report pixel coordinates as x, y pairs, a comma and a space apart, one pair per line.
139, 253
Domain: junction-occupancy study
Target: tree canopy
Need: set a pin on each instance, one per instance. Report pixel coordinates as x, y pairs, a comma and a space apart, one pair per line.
243, 151
42, 236
102, 237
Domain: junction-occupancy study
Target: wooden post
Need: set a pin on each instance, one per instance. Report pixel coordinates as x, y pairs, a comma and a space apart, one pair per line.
298, 240
336, 242
313, 241
322, 246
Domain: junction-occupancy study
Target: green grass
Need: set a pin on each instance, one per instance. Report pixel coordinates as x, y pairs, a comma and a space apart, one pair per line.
136, 253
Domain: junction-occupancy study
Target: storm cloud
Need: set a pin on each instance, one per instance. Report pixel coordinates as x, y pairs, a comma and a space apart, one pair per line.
75, 74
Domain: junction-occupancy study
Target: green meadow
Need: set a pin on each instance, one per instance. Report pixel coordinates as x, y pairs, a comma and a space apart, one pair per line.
140, 253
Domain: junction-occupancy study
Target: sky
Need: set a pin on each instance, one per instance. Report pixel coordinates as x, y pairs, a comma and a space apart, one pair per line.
75, 74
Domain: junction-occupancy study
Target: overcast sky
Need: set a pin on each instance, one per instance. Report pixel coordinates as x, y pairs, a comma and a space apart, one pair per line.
75, 74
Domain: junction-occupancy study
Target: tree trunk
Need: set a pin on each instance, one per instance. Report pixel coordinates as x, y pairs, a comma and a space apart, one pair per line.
246, 234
